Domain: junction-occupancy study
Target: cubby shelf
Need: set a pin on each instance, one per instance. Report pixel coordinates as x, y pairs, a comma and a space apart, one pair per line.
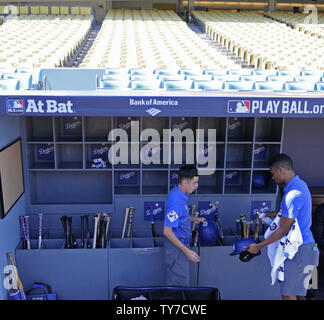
61, 152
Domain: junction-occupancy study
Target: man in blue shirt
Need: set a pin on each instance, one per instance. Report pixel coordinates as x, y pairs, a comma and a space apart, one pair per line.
296, 204
177, 229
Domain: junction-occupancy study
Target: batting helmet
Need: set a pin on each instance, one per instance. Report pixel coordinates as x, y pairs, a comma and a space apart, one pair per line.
208, 232
239, 245
259, 180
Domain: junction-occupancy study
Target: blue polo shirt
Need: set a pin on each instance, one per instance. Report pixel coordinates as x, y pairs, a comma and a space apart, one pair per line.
177, 215
297, 203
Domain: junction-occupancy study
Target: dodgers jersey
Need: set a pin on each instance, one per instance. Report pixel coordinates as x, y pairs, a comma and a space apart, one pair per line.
297, 204
177, 215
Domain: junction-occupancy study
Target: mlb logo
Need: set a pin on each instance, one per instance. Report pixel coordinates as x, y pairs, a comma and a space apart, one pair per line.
15, 106
238, 106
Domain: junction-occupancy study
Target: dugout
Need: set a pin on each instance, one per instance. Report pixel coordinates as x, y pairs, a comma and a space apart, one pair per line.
59, 131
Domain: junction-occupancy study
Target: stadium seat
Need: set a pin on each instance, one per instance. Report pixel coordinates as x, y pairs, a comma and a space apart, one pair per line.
171, 77
192, 72
75, 10
239, 85
161, 72
215, 72
320, 86
228, 77
9, 84
147, 85
25, 79
34, 10
44, 10
270, 85
281, 78
209, 85
267, 72
255, 77
200, 77
178, 85
55, 10
64, 10
114, 85
116, 77
300, 86
85, 10
240, 72
116, 71
23, 9
312, 78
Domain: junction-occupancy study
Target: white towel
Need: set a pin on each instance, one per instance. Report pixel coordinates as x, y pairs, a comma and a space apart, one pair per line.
282, 249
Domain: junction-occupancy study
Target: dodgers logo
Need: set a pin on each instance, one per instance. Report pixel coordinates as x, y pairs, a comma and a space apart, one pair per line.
273, 226
238, 106
15, 106
172, 216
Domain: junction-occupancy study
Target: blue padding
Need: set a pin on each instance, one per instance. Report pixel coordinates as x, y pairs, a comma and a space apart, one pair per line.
209, 85
9, 84
239, 85
166, 72
300, 86
25, 79
240, 72
199, 78
270, 85
178, 85
267, 72
147, 85
320, 86
191, 72
116, 71
255, 77
116, 77
115, 85
281, 78
228, 77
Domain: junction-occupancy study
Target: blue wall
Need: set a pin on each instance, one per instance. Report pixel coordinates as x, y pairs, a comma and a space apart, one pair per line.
9, 226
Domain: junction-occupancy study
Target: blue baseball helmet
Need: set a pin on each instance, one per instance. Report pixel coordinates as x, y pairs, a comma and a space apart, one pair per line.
208, 232
239, 245
259, 180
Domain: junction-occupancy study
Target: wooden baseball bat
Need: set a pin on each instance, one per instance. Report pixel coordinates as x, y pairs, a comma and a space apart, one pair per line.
18, 281
244, 228
131, 211
256, 230
125, 222
248, 229
192, 210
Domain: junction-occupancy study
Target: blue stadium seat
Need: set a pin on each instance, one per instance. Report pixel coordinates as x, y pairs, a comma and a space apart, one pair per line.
254, 77
200, 77
288, 73
228, 77
312, 73
267, 72
281, 78
270, 85
171, 77
319, 86
300, 86
191, 72
311, 78
209, 85
178, 85
165, 72
116, 77
9, 84
142, 77
239, 85
141, 72
241, 72
215, 72
116, 71
114, 85
147, 85
26, 82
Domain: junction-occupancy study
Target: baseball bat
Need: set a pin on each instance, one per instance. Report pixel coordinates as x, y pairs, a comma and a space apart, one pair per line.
125, 222
195, 231
82, 231
248, 229
95, 233
99, 234
27, 231
107, 220
244, 228
88, 231
18, 281
152, 221
40, 226
220, 229
22, 222
256, 230
130, 223
192, 210
63, 221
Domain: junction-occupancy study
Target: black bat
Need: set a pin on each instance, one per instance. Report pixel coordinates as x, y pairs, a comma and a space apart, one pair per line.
72, 240
82, 231
64, 224
88, 232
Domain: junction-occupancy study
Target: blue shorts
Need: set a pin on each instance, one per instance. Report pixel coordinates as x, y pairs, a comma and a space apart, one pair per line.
177, 265
298, 270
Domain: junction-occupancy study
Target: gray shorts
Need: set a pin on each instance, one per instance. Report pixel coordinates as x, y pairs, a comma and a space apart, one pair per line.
177, 266
298, 271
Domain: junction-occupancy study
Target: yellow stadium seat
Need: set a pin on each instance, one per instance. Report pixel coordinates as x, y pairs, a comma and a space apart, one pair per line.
75, 10
3, 9
43, 10
34, 10
64, 10
55, 10
85, 10
24, 10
